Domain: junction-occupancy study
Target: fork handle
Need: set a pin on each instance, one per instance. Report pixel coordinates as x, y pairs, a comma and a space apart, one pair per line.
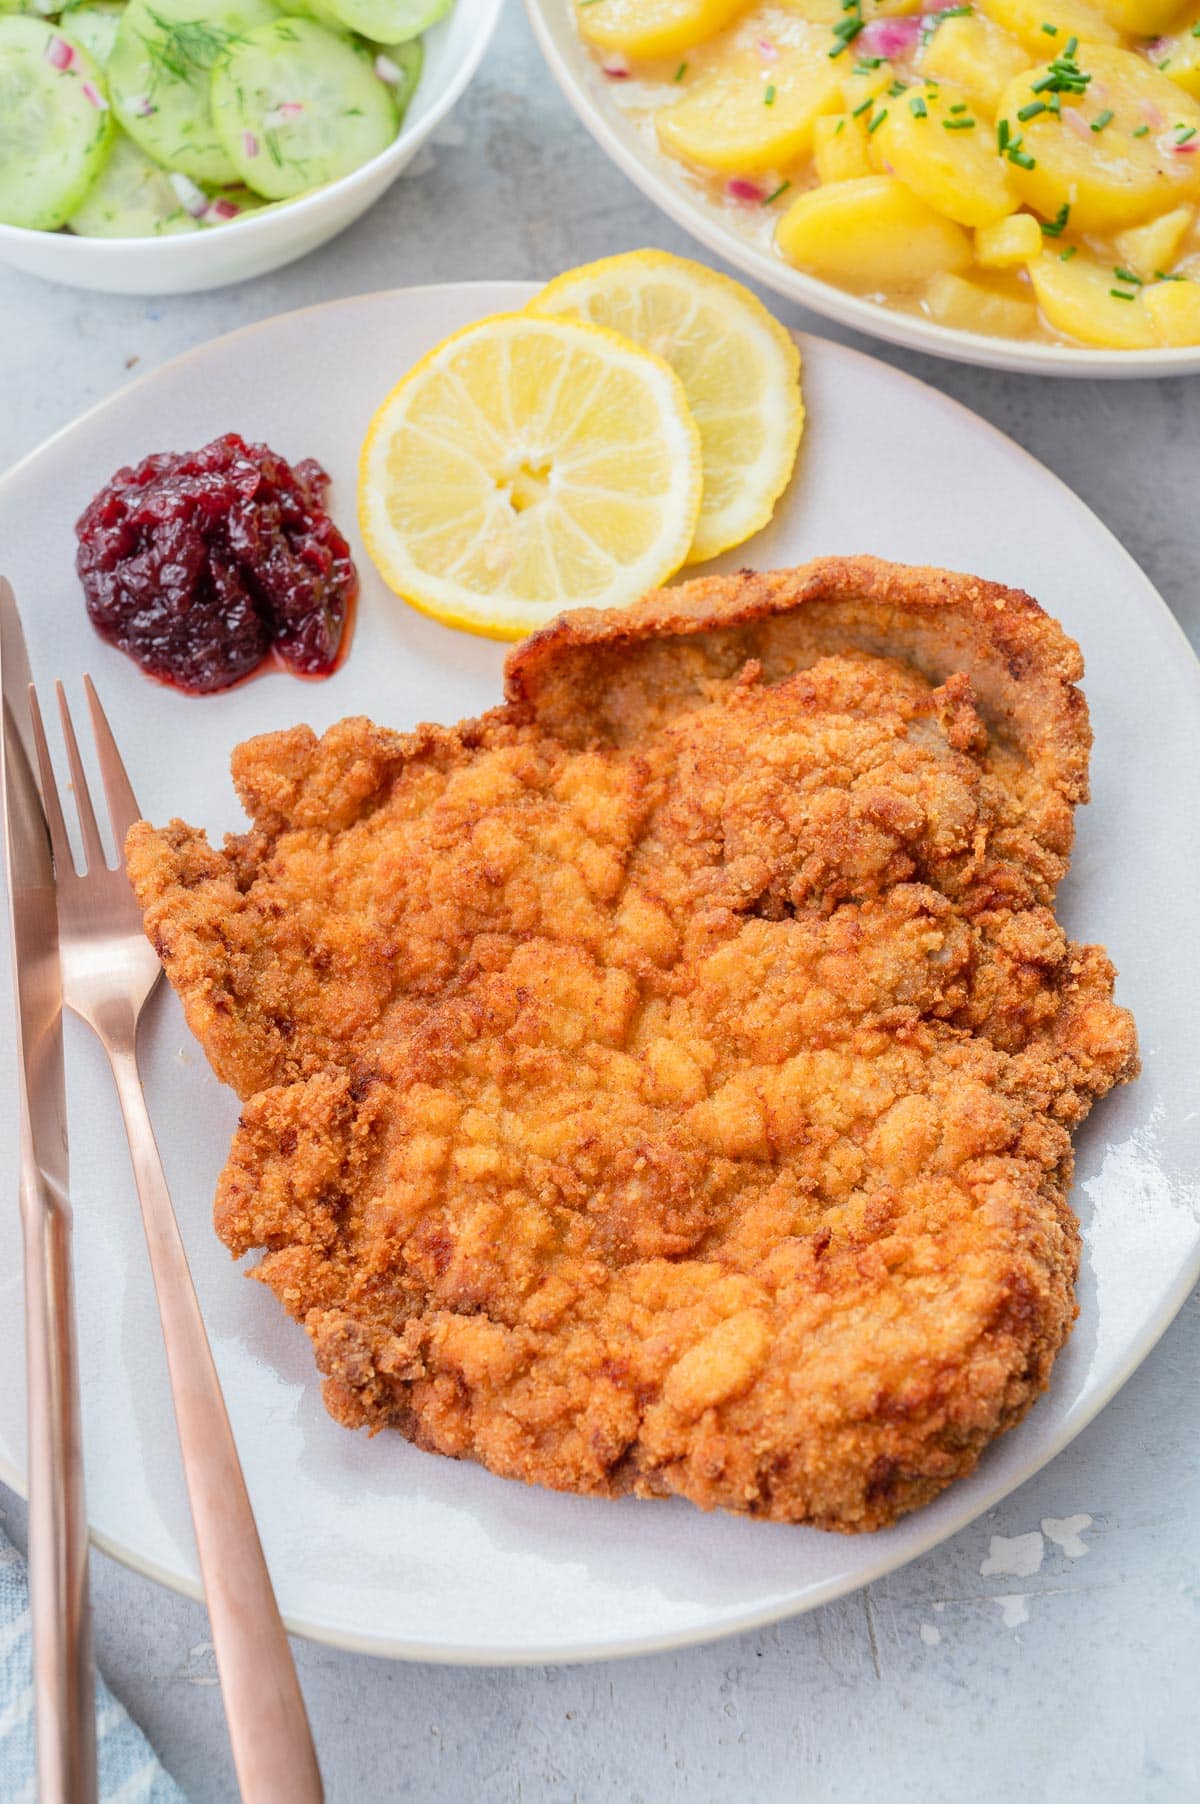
58, 1591
272, 1744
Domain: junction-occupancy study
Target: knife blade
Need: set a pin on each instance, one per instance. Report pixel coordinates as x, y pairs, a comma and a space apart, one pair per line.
63, 1686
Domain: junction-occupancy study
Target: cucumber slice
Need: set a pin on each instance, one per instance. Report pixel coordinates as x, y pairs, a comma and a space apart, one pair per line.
389, 21
313, 9
131, 198
297, 106
159, 77
55, 124
95, 27
400, 65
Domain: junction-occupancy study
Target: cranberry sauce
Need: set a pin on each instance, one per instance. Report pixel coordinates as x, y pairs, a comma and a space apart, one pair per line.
197, 563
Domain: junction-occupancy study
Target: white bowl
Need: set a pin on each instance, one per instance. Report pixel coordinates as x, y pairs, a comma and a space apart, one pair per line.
665, 184
277, 235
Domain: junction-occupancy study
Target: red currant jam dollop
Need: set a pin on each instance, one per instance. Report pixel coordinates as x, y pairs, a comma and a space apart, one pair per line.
197, 563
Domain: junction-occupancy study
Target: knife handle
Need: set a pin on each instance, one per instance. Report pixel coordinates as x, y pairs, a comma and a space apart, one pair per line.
62, 1626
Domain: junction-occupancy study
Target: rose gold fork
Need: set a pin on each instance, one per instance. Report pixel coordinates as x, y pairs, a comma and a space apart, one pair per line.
109, 969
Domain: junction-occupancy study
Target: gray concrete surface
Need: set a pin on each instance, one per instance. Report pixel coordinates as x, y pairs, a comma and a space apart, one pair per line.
945, 1683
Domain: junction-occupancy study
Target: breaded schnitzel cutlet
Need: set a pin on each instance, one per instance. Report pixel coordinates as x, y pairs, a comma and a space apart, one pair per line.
663, 1084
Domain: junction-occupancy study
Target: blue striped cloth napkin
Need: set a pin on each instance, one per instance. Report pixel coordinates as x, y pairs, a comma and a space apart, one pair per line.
129, 1769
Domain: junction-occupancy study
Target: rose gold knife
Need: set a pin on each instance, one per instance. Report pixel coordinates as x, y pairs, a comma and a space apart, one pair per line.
62, 1654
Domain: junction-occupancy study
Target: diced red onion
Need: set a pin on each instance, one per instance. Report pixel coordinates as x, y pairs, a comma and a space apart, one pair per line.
1156, 47
249, 144
892, 38
1171, 147
616, 67
1152, 115
740, 189
289, 109
59, 54
221, 209
145, 107
767, 50
387, 70
191, 198
93, 96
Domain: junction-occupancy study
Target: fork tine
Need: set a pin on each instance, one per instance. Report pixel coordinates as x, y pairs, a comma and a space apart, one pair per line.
60, 845
93, 850
122, 803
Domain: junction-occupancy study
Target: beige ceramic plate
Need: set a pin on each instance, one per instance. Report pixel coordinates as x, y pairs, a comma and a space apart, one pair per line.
667, 186
372, 1544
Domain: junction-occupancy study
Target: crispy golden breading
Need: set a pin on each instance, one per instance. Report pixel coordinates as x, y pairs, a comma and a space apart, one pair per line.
664, 1083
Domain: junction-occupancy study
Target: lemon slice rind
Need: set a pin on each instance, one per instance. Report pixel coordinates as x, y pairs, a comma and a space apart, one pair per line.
740, 369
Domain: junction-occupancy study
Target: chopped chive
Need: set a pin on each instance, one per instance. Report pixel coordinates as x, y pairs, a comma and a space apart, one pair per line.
774, 195
769, 96
1118, 294
1051, 31
961, 107
1022, 159
1182, 135
1002, 136
1127, 275
1065, 256
1054, 228
1103, 119
840, 127
1071, 47
1161, 276
917, 107
1032, 110
680, 72
864, 108
958, 125
897, 88
1141, 132
878, 120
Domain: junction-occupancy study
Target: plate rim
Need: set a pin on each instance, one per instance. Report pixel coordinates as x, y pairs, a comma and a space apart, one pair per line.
949, 1520
873, 318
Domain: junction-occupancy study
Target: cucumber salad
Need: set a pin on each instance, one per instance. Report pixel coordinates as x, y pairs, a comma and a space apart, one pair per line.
161, 116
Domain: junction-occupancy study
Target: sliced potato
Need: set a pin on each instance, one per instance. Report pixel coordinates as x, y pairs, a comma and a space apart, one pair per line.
945, 153
1009, 242
871, 233
977, 306
1148, 248
1025, 19
840, 148
653, 27
1140, 18
1180, 59
1110, 154
976, 56
747, 115
1077, 298
1174, 312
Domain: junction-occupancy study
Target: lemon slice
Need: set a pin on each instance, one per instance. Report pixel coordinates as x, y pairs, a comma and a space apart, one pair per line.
740, 369
528, 465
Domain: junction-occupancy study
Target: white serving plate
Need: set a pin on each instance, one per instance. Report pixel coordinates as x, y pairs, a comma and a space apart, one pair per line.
665, 184
374, 1545
265, 240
